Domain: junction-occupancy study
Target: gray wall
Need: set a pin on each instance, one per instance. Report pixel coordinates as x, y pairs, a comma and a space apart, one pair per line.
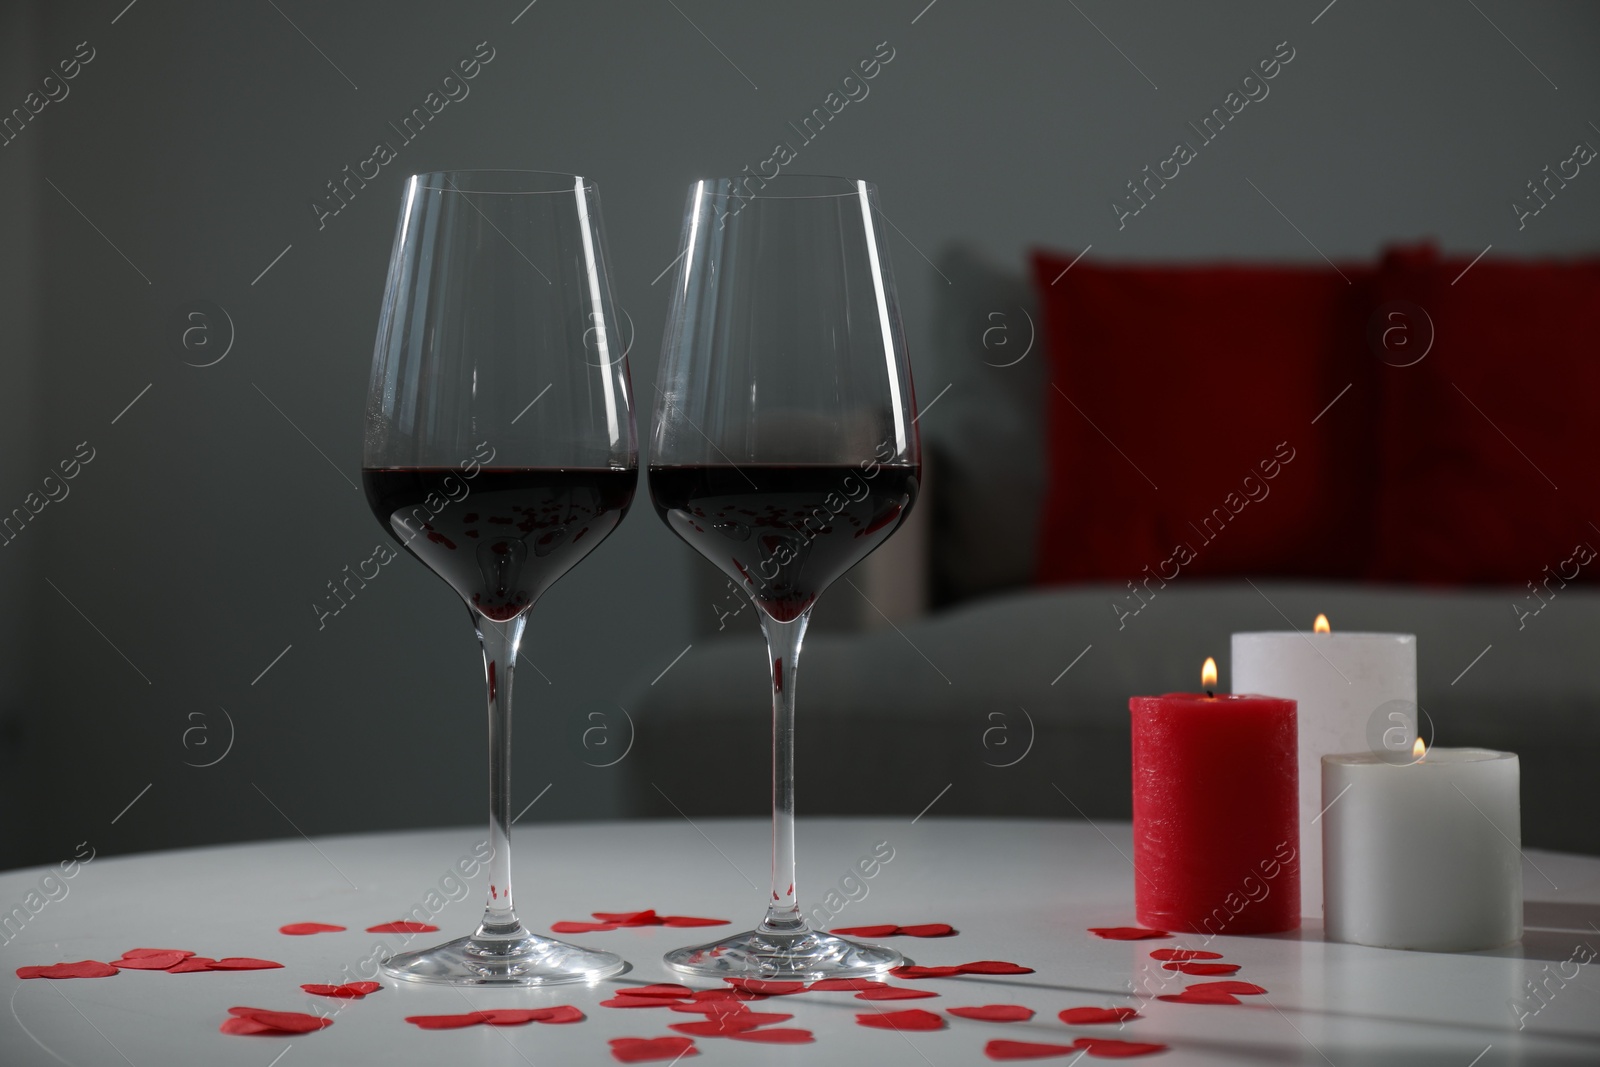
193, 544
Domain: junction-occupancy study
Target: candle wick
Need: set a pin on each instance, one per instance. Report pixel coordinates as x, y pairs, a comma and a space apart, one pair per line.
1210, 695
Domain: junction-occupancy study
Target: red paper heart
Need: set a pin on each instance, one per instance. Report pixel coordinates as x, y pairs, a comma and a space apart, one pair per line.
928, 930
1110, 1048
691, 920
887, 930
193, 963
668, 989
246, 1026
766, 988
911, 970
628, 918
1000, 1049
994, 1013
994, 967
1095, 1016
302, 929
241, 963
81, 969
559, 1013
446, 1022
348, 991
581, 928
402, 927
891, 992
622, 1000
1127, 933
829, 985
1203, 968
1189, 996
730, 1023
151, 963
779, 1036
277, 1022
642, 1049
1246, 988
727, 994
148, 953
1183, 954
910, 1019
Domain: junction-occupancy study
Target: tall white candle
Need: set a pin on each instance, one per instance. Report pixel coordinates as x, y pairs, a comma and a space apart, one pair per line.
1340, 682
1423, 855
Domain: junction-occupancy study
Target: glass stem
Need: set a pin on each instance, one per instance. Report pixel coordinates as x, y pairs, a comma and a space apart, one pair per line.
500, 642
783, 649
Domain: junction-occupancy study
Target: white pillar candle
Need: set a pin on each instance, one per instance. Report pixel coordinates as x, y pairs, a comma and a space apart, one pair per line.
1339, 682
1424, 855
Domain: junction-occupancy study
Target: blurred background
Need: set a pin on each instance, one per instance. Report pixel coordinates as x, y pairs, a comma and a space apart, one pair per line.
164, 681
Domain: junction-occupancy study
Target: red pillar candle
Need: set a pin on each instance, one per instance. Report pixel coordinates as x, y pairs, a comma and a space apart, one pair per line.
1216, 824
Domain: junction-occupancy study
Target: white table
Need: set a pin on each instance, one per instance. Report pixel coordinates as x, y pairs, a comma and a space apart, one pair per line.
1017, 890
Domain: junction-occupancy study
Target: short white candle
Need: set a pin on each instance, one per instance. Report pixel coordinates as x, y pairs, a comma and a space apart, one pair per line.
1339, 682
1423, 855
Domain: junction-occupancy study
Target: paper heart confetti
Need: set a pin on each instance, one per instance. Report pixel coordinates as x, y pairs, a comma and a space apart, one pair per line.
1110, 1048
1190, 996
765, 987
994, 1013
727, 994
891, 992
303, 929
156, 962
645, 1049
1001, 1049
151, 953
731, 1023
617, 920
1095, 1016
1203, 968
348, 991
994, 967
557, 1014
910, 1019
403, 927
722, 1006
975, 967
1127, 933
623, 1000
891, 930
193, 963
81, 969
660, 989
886, 930
779, 1036
241, 963
265, 1021
911, 970
826, 985
446, 1022
1183, 954
1245, 988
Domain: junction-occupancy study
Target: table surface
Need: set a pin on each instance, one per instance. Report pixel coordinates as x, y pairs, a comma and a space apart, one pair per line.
1023, 890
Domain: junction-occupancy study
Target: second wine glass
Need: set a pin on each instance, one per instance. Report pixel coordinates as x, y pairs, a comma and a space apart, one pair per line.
784, 450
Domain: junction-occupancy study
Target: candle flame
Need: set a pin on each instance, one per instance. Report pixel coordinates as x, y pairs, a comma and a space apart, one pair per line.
1321, 625
1418, 750
1208, 675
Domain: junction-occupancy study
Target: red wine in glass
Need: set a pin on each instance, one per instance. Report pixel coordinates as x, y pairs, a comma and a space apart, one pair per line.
784, 533
502, 536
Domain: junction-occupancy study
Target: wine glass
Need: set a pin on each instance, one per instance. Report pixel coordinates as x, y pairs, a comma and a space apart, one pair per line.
499, 451
784, 450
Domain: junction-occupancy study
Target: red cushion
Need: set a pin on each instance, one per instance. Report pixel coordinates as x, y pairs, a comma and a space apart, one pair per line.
1178, 394
1490, 471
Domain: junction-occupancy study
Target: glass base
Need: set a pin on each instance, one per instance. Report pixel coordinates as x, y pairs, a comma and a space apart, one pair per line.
526, 960
803, 956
